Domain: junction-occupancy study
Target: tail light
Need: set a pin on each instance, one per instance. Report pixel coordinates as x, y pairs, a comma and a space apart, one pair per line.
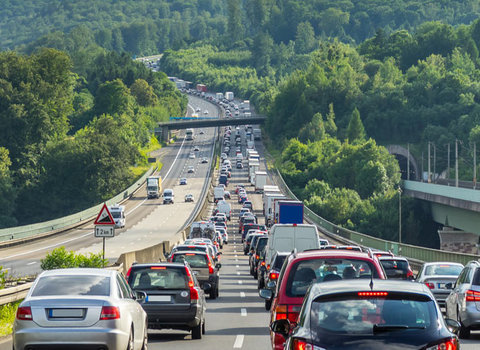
409, 274
110, 313
450, 344
299, 344
430, 285
24, 313
128, 273
257, 257
210, 266
472, 295
288, 312
191, 285
273, 275
262, 263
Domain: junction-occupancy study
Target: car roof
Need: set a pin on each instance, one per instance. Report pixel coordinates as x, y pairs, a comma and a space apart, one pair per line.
172, 264
332, 253
190, 252
442, 263
78, 271
392, 258
354, 285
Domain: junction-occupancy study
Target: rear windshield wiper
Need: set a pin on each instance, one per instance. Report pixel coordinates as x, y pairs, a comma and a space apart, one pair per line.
377, 328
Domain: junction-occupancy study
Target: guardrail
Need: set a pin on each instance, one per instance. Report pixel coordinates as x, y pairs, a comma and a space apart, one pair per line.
417, 254
14, 234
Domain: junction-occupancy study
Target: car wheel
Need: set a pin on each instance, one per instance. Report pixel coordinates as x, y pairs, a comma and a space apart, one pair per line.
213, 293
260, 283
255, 274
197, 331
464, 332
268, 305
217, 292
130, 345
203, 327
145, 338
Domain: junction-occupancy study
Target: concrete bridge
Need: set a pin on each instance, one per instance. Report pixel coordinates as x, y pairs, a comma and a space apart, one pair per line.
163, 129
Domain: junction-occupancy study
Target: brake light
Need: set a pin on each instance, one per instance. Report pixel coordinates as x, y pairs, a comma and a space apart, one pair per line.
191, 285
273, 275
289, 312
257, 257
110, 313
450, 344
299, 344
409, 273
372, 294
294, 225
472, 295
190, 254
158, 267
128, 273
24, 313
430, 285
210, 266
262, 263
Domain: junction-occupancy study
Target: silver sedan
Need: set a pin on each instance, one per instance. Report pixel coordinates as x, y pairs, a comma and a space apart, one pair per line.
87, 308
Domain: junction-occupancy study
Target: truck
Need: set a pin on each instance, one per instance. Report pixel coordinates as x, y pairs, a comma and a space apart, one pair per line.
201, 88
250, 144
252, 168
218, 194
189, 134
219, 96
118, 214
229, 95
288, 211
202, 229
245, 105
154, 186
268, 202
260, 181
257, 134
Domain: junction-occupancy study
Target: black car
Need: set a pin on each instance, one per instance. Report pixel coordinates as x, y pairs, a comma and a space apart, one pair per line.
374, 315
256, 247
174, 297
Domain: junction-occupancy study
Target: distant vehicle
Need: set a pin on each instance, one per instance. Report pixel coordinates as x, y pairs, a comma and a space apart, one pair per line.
201, 132
205, 111
260, 181
229, 95
239, 165
189, 197
196, 149
198, 109
202, 229
218, 193
94, 308
118, 214
190, 169
436, 275
191, 155
257, 134
183, 181
154, 186
168, 196
189, 134
204, 160
396, 267
288, 211
201, 88
174, 296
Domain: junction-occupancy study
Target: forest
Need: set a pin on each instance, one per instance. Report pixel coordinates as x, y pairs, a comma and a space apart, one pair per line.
74, 140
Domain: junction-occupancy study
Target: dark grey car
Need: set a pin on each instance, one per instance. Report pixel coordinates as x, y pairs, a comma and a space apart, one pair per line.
174, 297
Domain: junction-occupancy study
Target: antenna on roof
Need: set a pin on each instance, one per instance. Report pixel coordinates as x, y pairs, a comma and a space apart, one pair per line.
371, 281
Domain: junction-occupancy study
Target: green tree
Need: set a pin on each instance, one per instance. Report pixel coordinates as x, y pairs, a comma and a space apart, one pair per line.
235, 27
305, 38
113, 98
143, 93
314, 130
7, 191
330, 126
355, 130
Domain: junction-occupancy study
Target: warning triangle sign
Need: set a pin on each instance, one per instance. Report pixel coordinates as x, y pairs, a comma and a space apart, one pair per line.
104, 217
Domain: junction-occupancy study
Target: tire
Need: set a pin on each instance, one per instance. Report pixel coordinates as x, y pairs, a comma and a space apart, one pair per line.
213, 294
203, 327
255, 274
197, 331
217, 292
464, 332
130, 345
260, 283
145, 338
268, 305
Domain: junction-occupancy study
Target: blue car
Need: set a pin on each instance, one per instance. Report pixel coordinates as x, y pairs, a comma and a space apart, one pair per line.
183, 181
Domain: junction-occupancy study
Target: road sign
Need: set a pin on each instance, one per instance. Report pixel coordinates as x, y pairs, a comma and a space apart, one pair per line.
104, 231
104, 217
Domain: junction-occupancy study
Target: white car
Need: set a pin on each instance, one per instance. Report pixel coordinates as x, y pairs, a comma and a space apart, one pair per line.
190, 169
205, 112
90, 308
191, 155
189, 197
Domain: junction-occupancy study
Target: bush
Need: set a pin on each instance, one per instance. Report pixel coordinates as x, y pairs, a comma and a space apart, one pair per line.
3, 276
61, 259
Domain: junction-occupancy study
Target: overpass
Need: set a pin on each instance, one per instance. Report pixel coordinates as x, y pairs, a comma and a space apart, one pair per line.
163, 128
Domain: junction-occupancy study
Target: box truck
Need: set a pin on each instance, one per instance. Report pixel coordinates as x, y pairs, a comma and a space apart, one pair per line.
229, 95
118, 214
288, 211
260, 181
154, 186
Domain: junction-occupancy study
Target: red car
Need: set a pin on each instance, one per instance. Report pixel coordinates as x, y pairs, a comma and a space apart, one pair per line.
314, 266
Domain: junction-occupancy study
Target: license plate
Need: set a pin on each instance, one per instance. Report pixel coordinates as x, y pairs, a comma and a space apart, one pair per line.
65, 313
159, 298
441, 285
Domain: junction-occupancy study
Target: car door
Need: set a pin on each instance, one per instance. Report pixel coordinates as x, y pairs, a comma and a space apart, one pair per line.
454, 300
133, 308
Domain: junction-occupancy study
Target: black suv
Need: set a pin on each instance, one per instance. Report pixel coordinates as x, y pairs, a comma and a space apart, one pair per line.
174, 297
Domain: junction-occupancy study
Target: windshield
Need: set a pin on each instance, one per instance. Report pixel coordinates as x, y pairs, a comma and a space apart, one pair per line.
306, 272
357, 315
195, 260
158, 278
443, 270
72, 285
116, 214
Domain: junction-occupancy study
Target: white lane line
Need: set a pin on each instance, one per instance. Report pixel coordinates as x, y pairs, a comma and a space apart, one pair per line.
240, 282
243, 312
242, 294
236, 260
238, 273
238, 341
31, 263
237, 266
236, 255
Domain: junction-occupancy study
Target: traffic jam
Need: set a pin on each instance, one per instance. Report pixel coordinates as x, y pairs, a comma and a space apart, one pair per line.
319, 295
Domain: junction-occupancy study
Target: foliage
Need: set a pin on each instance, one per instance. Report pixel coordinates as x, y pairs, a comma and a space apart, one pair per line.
7, 317
3, 276
60, 258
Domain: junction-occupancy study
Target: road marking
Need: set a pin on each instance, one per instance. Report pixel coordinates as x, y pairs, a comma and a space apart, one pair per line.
243, 312
242, 294
238, 341
31, 263
236, 255
240, 282
237, 266
238, 273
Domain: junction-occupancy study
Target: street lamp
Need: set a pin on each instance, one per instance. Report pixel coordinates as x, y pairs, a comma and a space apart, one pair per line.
399, 215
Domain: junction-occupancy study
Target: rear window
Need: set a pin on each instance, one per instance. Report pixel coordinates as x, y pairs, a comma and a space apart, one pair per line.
155, 278
395, 268
72, 285
476, 278
262, 242
443, 269
192, 248
277, 264
357, 315
305, 272
195, 260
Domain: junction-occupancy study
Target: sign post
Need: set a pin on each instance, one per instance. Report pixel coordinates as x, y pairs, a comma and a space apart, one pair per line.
104, 225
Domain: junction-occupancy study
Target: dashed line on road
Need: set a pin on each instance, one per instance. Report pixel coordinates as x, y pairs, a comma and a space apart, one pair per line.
240, 282
238, 341
242, 294
31, 263
243, 312
238, 273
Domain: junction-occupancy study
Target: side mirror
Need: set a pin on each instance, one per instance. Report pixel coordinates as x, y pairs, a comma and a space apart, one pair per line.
266, 294
281, 327
449, 285
139, 296
218, 265
219, 253
206, 286
453, 325
271, 284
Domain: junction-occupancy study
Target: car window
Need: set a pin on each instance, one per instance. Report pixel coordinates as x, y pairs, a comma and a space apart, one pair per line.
123, 288
476, 278
158, 277
395, 268
352, 314
195, 260
443, 269
262, 242
305, 272
72, 285
277, 264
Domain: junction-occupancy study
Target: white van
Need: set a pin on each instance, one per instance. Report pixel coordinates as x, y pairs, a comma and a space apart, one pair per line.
168, 196
224, 207
118, 214
287, 237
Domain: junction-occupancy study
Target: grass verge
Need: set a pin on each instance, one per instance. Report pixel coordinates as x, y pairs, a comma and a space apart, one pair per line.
7, 316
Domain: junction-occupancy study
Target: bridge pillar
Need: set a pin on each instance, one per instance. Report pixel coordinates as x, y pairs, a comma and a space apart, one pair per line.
458, 241
165, 134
